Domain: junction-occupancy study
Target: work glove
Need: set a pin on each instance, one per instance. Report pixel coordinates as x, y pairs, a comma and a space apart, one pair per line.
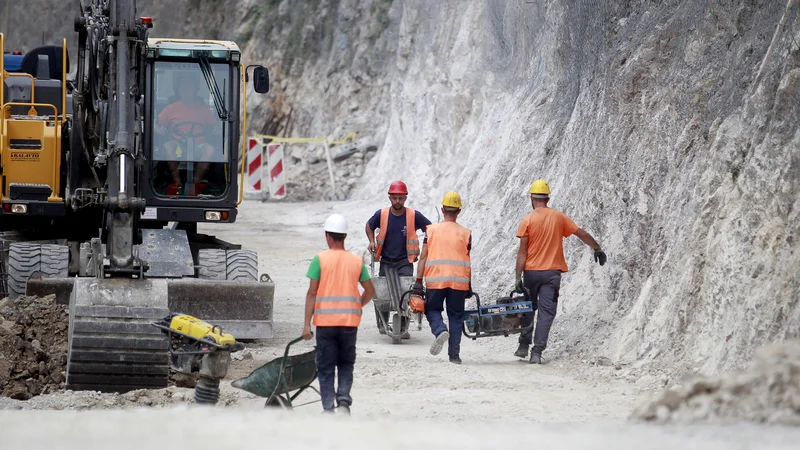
518, 288
469, 292
600, 256
417, 288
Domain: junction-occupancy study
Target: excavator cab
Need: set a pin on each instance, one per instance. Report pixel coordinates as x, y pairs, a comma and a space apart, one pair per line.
194, 91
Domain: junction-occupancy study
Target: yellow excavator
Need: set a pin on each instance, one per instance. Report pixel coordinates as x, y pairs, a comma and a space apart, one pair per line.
104, 178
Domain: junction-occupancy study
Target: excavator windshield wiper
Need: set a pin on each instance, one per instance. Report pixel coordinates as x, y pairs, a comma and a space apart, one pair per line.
219, 102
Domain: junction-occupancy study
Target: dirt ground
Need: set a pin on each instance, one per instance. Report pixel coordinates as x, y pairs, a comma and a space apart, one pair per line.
33, 346
399, 390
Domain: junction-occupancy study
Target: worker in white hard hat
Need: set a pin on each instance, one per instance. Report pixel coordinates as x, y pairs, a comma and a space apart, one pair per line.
445, 265
334, 304
540, 260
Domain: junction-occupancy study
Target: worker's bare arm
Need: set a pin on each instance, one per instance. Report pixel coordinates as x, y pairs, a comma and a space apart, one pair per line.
522, 256
422, 258
587, 238
371, 236
311, 298
369, 292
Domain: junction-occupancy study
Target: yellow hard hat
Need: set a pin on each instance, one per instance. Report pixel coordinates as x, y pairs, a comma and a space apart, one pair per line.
452, 200
540, 189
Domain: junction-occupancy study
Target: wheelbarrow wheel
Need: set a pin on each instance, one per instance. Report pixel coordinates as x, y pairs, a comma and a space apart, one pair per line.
397, 329
277, 402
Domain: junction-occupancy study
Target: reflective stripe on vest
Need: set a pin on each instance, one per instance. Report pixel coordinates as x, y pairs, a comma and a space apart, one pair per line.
448, 263
338, 301
412, 241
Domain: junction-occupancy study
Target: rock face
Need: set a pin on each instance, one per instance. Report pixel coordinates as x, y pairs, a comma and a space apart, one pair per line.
668, 130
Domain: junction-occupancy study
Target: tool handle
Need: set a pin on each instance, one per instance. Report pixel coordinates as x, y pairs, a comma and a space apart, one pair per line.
527, 293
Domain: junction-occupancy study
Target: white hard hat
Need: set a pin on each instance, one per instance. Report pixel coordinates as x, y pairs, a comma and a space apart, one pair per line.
336, 223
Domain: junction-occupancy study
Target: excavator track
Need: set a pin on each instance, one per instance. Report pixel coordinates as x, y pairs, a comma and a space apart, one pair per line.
112, 345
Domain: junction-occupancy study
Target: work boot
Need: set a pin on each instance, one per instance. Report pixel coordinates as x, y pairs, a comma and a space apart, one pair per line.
522, 351
343, 408
455, 359
439, 342
536, 358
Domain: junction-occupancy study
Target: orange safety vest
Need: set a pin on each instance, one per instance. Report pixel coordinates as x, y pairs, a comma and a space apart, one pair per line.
412, 241
338, 301
448, 263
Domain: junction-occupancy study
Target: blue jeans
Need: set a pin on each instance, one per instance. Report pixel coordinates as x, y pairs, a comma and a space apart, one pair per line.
435, 301
336, 349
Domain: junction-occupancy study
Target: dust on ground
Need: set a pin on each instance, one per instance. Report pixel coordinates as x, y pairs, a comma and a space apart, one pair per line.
33, 346
768, 391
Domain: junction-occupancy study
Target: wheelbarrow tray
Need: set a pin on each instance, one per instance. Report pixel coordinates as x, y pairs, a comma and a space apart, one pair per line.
383, 297
281, 376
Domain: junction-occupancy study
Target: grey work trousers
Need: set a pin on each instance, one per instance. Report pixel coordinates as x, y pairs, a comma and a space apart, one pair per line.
543, 286
404, 268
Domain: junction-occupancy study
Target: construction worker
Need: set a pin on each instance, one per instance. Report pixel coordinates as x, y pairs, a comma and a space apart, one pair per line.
335, 305
445, 266
397, 244
541, 260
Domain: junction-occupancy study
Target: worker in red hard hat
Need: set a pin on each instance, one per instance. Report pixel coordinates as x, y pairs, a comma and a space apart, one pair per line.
397, 243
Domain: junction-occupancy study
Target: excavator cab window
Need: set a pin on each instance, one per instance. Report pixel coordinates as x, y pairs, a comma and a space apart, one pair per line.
190, 152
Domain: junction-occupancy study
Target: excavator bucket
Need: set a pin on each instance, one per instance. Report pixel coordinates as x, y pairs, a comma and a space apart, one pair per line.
114, 348
243, 309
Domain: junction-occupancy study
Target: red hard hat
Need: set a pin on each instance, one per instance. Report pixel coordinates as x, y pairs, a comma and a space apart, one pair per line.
398, 187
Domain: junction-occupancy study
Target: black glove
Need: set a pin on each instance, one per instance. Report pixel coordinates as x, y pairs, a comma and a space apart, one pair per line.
470, 293
417, 287
518, 288
600, 256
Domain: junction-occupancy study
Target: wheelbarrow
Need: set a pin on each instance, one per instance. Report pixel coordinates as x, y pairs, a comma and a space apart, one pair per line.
392, 311
276, 379
500, 319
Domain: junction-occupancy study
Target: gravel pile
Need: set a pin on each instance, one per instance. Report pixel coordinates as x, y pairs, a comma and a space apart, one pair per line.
768, 391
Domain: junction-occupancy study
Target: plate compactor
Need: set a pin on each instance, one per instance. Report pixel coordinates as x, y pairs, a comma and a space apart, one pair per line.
500, 319
196, 346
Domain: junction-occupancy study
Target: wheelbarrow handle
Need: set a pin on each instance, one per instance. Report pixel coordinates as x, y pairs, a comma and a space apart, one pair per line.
291, 343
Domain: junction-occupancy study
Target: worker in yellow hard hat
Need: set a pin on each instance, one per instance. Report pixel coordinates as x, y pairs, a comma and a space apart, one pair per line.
540, 260
445, 266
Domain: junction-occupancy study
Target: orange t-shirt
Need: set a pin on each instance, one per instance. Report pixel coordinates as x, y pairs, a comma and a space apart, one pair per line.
546, 228
178, 112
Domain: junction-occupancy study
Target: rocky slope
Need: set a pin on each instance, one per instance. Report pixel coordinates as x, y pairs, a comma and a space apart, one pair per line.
668, 130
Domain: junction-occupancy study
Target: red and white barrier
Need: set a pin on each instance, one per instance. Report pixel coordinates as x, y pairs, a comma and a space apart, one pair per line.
277, 175
254, 151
